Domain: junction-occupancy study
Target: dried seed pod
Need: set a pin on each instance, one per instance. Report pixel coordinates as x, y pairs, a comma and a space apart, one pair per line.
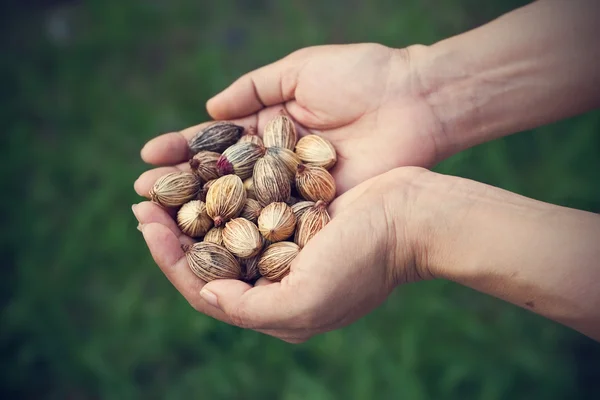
271, 183
193, 220
287, 157
241, 238
225, 199
204, 165
239, 159
280, 132
175, 189
251, 137
310, 222
204, 191
250, 271
301, 207
209, 261
249, 186
215, 235
315, 183
274, 263
316, 150
276, 222
216, 137
251, 210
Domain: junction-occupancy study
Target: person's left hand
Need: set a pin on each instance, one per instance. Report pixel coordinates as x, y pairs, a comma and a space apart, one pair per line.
345, 271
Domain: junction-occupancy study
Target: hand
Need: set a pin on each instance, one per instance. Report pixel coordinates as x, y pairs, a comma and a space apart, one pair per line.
363, 98
345, 271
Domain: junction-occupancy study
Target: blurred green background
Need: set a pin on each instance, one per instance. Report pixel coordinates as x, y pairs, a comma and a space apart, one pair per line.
86, 314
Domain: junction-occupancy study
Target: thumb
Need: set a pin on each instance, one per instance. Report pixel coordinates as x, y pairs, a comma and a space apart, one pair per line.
267, 86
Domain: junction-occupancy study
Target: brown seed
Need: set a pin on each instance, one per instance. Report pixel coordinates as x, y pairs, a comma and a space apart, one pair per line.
209, 261
216, 137
249, 186
271, 183
280, 132
215, 235
241, 238
310, 222
251, 137
175, 189
287, 157
193, 220
301, 207
239, 159
276, 222
251, 210
204, 165
316, 150
225, 199
250, 271
204, 191
274, 263
315, 183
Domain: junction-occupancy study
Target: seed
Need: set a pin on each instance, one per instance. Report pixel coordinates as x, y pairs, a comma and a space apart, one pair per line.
276, 222
204, 165
175, 189
251, 137
215, 235
209, 261
310, 222
274, 263
241, 238
251, 210
280, 132
216, 137
239, 159
316, 150
225, 199
250, 271
315, 183
271, 183
301, 207
249, 186
193, 220
287, 157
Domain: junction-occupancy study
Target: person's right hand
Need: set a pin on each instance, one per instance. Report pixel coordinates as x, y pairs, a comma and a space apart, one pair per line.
364, 98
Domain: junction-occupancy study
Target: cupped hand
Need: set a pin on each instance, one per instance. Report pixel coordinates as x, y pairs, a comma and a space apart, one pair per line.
364, 98
346, 270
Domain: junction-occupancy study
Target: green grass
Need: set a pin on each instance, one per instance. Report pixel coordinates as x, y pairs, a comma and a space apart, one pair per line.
87, 314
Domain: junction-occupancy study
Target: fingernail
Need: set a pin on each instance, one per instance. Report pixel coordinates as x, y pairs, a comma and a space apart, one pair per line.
209, 297
133, 207
140, 227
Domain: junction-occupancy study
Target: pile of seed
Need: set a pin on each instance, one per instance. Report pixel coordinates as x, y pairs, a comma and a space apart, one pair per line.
250, 203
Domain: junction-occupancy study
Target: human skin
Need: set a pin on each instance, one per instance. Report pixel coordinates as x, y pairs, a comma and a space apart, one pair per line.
384, 110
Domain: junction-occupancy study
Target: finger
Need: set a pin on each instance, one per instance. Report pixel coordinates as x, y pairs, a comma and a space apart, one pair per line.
147, 179
267, 86
148, 212
262, 282
172, 147
166, 251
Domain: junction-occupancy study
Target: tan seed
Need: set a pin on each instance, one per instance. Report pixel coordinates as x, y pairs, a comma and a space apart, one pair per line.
287, 157
241, 238
204, 165
311, 222
175, 189
316, 150
193, 220
274, 263
251, 210
301, 207
209, 261
215, 235
315, 183
249, 186
251, 137
271, 183
225, 199
239, 159
280, 132
276, 222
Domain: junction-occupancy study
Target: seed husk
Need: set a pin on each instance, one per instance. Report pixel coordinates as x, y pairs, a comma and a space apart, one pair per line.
193, 220
280, 132
276, 222
315, 183
249, 186
271, 183
209, 261
316, 150
215, 235
175, 189
250, 271
225, 199
288, 158
251, 210
216, 137
239, 159
242, 238
274, 263
204, 165
311, 222
252, 137
301, 207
